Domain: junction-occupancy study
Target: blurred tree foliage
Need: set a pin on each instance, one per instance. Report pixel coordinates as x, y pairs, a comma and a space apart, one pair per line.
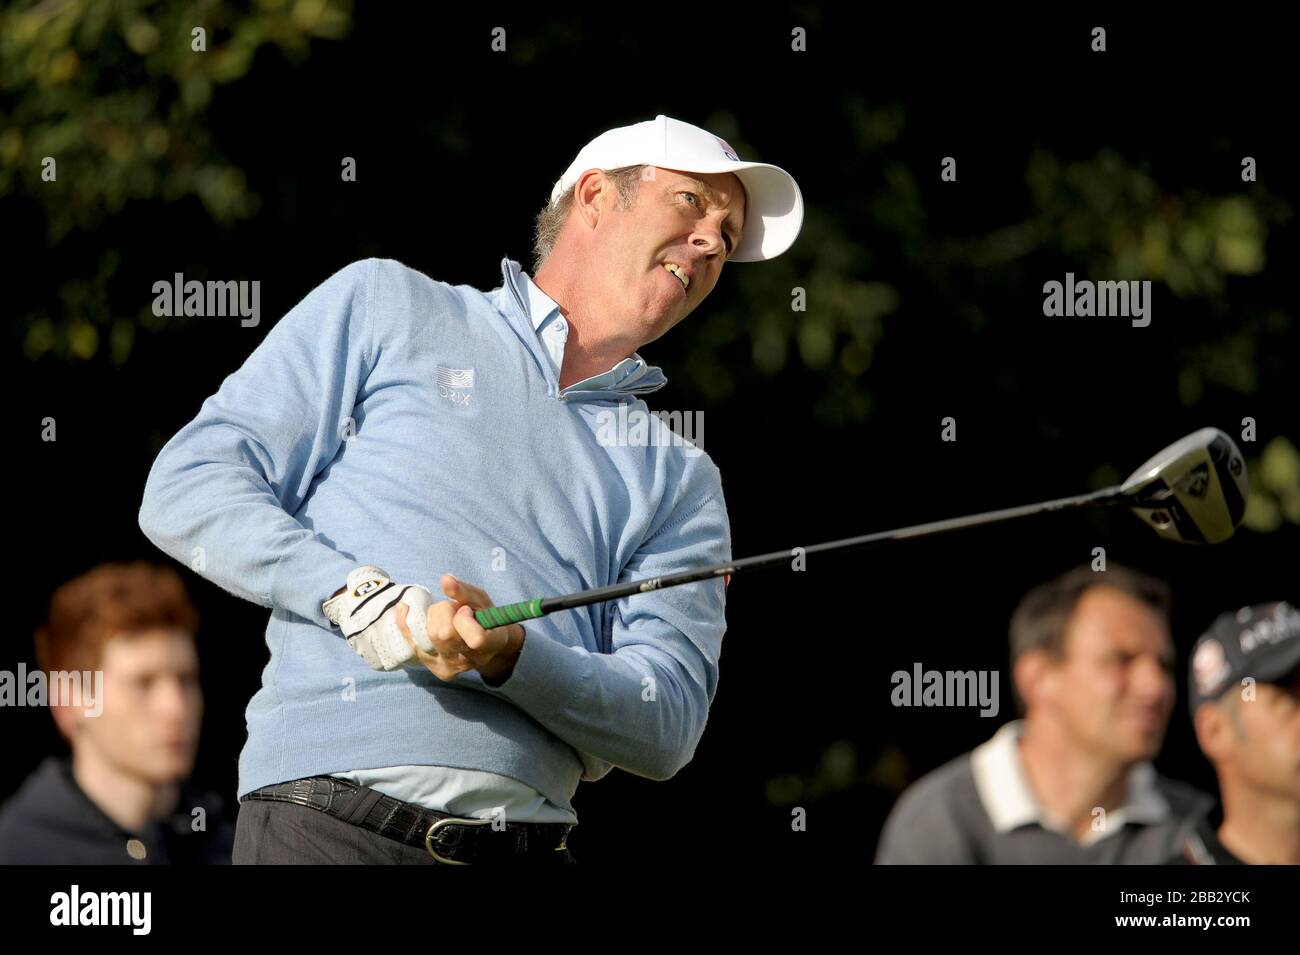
117, 95
1103, 218
1275, 487
840, 769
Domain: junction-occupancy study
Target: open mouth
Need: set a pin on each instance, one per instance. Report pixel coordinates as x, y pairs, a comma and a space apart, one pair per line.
677, 272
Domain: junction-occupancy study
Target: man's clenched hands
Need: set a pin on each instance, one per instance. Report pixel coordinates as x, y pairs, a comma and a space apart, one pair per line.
459, 642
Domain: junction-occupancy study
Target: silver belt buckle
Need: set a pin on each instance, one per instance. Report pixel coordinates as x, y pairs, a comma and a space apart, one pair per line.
428, 836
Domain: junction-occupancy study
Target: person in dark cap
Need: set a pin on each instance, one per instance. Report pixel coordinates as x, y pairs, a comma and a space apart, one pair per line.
1245, 700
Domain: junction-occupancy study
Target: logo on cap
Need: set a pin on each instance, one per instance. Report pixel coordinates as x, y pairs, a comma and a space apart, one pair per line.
727, 150
1273, 629
1210, 667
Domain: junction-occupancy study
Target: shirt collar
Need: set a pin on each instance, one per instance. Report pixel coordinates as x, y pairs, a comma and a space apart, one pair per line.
631, 376
540, 305
1010, 801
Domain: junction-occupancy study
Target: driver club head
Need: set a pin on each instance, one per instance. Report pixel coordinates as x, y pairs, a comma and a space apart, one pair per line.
1193, 491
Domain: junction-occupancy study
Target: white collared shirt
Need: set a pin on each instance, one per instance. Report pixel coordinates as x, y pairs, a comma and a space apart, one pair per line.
1010, 801
553, 329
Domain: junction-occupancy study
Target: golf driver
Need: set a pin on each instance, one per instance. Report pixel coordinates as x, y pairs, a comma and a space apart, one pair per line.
1193, 491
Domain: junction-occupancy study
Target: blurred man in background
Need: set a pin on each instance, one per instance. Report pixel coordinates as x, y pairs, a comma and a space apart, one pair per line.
1245, 699
1072, 782
121, 796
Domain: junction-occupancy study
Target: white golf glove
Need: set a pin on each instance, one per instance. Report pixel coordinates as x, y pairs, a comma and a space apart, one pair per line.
366, 612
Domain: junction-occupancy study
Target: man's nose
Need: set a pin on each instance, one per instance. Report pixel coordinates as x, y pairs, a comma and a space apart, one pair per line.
710, 243
1150, 679
174, 700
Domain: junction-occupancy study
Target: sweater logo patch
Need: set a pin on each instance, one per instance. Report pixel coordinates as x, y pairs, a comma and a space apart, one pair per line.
455, 385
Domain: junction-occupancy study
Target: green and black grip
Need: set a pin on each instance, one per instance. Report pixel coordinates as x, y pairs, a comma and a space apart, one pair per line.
510, 613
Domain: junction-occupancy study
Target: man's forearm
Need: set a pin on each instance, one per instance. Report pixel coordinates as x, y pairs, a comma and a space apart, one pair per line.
618, 708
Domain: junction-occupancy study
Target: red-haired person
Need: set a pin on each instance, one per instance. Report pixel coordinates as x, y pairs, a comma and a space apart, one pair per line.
118, 655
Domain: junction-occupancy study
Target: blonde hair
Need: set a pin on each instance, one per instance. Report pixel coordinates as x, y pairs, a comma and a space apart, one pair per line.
550, 221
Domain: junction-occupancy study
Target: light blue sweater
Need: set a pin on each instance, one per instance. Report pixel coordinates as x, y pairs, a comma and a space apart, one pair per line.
395, 420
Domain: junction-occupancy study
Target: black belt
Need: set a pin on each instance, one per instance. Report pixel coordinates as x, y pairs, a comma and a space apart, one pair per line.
454, 840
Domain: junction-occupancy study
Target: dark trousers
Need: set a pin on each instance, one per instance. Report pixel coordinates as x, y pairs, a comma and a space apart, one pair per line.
282, 833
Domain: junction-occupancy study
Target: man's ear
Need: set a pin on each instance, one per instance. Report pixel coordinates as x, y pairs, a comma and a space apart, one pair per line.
591, 192
1213, 730
1030, 671
66, 718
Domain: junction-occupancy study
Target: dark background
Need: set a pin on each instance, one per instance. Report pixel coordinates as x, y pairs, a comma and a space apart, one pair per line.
924, 299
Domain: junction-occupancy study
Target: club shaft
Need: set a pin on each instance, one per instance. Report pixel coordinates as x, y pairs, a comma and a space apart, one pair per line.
540, 607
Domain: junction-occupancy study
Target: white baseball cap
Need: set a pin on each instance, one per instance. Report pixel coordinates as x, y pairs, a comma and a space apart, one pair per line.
773, 204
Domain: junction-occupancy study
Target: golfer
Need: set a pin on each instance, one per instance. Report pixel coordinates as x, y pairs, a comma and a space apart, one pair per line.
394, 433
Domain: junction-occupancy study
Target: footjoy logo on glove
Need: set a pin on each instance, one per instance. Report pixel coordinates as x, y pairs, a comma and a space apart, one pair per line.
456, 385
